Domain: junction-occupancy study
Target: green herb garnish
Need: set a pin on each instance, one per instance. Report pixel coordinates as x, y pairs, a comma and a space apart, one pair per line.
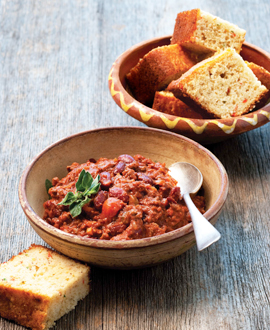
48, 185
85, 187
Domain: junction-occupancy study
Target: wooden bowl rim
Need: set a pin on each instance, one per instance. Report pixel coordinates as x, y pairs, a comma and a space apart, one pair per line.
104, 244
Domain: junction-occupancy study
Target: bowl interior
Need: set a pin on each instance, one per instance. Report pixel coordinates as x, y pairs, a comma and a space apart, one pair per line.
156, 144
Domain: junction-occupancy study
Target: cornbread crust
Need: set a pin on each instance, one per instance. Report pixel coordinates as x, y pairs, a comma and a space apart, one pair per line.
185, 27
157, 69
202, 32
261, 73
222, 85
25, 308
167, 103
264, 77
38, 286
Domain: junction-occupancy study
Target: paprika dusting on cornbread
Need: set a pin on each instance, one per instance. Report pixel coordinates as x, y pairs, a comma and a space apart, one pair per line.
136, 198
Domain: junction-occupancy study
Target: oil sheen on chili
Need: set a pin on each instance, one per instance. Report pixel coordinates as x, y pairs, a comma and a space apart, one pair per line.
137, 198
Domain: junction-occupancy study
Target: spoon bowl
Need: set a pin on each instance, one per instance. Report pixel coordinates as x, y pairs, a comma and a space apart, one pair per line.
188, 176
190, 180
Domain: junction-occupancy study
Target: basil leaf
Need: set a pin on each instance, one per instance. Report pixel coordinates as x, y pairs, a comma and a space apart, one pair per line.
75, 209
48, 185
85, 187
95, 189
79, 183
69, 199
87, 180
95, 182
95, 185
85, 201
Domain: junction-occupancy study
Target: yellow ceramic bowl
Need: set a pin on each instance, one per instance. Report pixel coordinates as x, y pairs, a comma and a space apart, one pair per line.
204, 131
111, 142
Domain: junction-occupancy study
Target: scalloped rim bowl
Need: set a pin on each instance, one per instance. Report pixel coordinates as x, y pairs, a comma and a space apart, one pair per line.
111, 142
205, 131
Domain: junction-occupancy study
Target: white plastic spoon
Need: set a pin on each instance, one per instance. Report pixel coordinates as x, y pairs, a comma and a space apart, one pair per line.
190, 179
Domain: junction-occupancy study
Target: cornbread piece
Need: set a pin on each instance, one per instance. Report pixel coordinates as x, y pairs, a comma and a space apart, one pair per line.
157, 69
166, 102
202, 32
38, 286
263, 76
223, 85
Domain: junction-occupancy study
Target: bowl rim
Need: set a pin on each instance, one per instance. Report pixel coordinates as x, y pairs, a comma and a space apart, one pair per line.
114, 76
37, 221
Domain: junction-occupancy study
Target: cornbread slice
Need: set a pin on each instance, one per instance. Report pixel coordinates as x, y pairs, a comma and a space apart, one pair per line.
262, 74
223, 85
202, 32
38, 286
166, 102
157, 69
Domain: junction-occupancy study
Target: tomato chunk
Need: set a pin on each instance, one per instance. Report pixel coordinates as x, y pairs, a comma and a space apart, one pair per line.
111, 207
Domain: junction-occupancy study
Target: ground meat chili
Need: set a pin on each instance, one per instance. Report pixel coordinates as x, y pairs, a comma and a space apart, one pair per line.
137, 198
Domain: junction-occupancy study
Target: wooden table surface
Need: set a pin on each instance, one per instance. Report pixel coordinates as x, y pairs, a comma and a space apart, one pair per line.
55, 59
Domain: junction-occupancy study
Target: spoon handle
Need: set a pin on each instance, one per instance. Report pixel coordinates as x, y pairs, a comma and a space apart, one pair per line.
205, 232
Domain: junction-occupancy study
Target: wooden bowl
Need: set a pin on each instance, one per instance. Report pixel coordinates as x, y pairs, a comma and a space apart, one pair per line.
205, 131
111, 142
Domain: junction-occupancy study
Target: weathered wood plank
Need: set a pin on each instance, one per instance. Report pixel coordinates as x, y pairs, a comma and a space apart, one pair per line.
55, 59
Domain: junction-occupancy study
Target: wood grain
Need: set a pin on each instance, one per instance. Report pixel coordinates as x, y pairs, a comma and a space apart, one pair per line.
55, 59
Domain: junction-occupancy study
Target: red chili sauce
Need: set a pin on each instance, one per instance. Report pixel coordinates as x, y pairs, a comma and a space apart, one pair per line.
137, 198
